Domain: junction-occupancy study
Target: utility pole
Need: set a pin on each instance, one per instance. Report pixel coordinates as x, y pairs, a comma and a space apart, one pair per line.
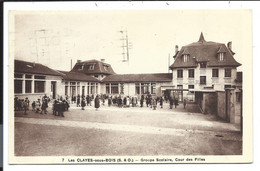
168, 63
125, 46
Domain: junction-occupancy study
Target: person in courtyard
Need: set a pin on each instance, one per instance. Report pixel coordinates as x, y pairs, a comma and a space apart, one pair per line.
142, 101
44, 106
171, 102
161, 101
38, 105
88, 100
61, 108
184, 103
78, 100
154, 102
26, 105
103, 100
109, 101
147, 101
120, 101
33, 106
55, 107
176, 103
83, 104
97, 102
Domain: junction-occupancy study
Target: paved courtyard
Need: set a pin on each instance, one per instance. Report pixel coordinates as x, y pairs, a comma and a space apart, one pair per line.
125, 131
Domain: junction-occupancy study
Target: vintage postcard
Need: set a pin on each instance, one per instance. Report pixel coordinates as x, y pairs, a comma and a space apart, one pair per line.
130, 86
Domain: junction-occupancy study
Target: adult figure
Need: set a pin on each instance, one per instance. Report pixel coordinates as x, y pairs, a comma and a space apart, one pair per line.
154, 102
161, 102
176, 102
142, 101
78, 100
109, 101
83, 104
171, 102
97, 102
184, 103
147, 100
38, 105
44, 106
26, 105
88, 100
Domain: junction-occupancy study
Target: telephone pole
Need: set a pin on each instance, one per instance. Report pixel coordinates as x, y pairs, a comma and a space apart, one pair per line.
125, 46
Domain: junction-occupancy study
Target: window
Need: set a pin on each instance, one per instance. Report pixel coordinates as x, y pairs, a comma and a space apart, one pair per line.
203, 64
227, 72
39, 86
203, 80
214, 72
18, 75
179, 86
145, 88
80, 67
107, 88
114, 88
105, 67
28, 76
39, 77
238, 96
153, 88
227, 86
191, 86
121, 88
66, 90
28, 86
96, 76
179, 74
91, 67
137, 88
191, 73
186, 58
18, 84
221, 56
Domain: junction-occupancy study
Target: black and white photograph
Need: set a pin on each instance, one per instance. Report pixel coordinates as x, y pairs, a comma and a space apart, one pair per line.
130, 86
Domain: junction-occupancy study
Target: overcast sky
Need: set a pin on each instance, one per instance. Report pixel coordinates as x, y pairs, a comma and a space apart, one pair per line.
54, 38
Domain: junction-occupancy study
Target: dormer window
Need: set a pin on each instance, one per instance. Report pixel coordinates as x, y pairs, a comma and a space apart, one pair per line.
221, 56
80, 67
91, 67
186, 55
203, 64
105, 67
186, 58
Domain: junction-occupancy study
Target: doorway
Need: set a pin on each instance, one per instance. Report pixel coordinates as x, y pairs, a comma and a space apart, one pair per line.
53, 89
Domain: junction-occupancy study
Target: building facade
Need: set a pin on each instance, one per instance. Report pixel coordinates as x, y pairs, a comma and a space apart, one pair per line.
199, 68
204, 66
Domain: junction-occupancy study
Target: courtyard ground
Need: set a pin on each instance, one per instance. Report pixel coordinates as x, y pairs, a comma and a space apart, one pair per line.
125, 131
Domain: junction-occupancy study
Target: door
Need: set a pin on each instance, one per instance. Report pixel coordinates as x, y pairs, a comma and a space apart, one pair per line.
53, 89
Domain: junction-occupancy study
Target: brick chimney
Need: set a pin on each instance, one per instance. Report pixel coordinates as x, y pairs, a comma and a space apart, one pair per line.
102, 60
229, 45
78, 61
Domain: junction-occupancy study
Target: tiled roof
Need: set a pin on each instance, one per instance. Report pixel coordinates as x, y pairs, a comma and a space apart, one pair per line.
204, 51
76, 76
99, 67
33, 68
157, 77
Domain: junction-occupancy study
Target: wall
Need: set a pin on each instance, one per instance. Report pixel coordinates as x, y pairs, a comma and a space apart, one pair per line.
221, 104
60, 89
219, 83
209, 103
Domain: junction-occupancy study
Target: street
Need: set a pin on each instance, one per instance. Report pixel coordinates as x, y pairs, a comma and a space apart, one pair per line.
124, 131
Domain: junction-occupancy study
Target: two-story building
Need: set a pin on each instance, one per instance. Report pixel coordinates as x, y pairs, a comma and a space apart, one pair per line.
203, 66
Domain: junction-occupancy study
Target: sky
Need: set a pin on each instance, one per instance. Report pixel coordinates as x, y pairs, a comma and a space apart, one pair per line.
55, 38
